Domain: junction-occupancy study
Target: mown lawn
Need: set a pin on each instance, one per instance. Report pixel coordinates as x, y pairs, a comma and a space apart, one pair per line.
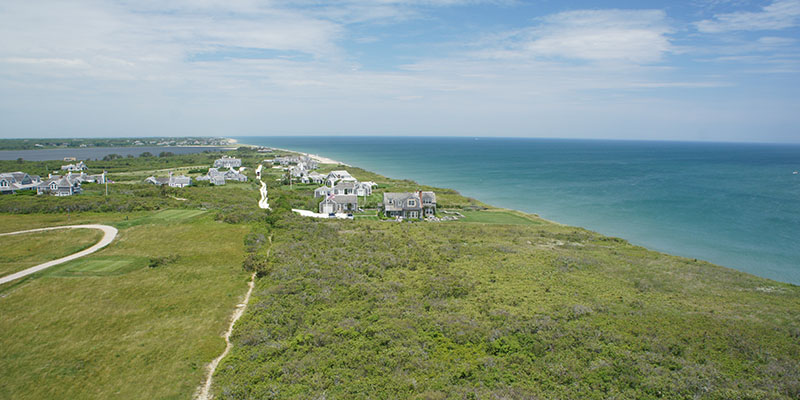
371, 310
30, 249
108, 325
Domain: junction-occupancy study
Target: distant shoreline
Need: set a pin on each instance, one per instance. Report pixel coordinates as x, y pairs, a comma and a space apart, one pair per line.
86, 153
316, 157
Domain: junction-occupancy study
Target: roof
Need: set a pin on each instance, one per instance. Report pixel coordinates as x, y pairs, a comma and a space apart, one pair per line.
182, 180
345, 185
340, 174
16, 176
345, 198
397, 201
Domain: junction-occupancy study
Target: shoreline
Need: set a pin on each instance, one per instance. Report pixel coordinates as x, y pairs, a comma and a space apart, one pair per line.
632, 241
316, 157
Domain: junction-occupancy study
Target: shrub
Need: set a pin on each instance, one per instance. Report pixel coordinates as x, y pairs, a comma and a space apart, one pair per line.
156, 262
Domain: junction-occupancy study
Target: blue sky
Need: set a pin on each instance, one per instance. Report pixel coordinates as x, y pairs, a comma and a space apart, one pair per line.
725, 70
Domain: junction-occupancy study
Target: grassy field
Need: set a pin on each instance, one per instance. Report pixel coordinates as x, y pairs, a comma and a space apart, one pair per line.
29, 249
100, 266
110, 326
499, 217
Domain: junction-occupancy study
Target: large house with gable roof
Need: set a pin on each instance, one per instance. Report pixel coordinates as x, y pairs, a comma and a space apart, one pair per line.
338, 204
416, 205
10, 182
60, 186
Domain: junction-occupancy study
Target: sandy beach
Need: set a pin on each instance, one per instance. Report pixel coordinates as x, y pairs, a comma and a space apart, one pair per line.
320, 159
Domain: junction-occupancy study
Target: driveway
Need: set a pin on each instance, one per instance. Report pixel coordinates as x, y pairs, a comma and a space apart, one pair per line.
109, 233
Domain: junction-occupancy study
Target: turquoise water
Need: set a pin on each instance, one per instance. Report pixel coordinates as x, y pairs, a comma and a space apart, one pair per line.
736, 205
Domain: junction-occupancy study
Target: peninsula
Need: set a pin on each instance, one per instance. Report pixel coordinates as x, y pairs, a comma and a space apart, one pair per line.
419, 292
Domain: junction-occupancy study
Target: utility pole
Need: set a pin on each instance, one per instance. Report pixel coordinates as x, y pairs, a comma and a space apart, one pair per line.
105, 180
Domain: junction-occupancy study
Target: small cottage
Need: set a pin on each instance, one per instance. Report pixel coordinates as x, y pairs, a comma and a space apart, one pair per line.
338, 204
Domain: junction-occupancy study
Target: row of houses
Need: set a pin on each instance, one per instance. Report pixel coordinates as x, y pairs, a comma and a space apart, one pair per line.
58, 185
302, 168
171, 181
305, 162
414, 205
227, 162
217, 177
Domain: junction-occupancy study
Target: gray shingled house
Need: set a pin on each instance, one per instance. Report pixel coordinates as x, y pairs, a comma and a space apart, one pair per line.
10, 182
415, 205
227, 162
339, 204
60, 186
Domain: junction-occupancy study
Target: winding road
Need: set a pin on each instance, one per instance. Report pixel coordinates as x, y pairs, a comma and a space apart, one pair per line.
109, 233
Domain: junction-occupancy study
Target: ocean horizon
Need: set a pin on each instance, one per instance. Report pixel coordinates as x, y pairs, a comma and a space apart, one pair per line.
732, 204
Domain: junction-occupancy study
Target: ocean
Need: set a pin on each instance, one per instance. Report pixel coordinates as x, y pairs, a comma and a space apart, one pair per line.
733, 204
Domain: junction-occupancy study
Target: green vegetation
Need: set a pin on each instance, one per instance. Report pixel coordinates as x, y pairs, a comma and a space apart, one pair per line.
139, 319
30, 249
500, 304
142, 317
35, 144
350, 309
99, 266
499, 217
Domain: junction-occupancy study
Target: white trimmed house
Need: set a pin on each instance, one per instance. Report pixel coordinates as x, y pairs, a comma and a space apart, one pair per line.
338, 204
10, 182
415, 205
59, 186
227, 162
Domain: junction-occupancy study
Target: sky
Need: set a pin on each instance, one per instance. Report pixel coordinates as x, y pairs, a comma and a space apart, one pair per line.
711, 70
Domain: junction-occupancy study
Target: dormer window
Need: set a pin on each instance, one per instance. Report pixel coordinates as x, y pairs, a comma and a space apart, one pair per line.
4, 183
412, 203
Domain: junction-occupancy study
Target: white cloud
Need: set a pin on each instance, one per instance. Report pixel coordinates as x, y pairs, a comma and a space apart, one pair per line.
231, 67
781, 14
635, 36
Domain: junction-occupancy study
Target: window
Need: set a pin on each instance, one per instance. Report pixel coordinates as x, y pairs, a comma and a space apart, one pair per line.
412, 203
4, 183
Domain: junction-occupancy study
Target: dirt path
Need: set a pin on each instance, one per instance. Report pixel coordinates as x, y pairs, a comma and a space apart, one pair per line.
109, 233
204, 391
263, 203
